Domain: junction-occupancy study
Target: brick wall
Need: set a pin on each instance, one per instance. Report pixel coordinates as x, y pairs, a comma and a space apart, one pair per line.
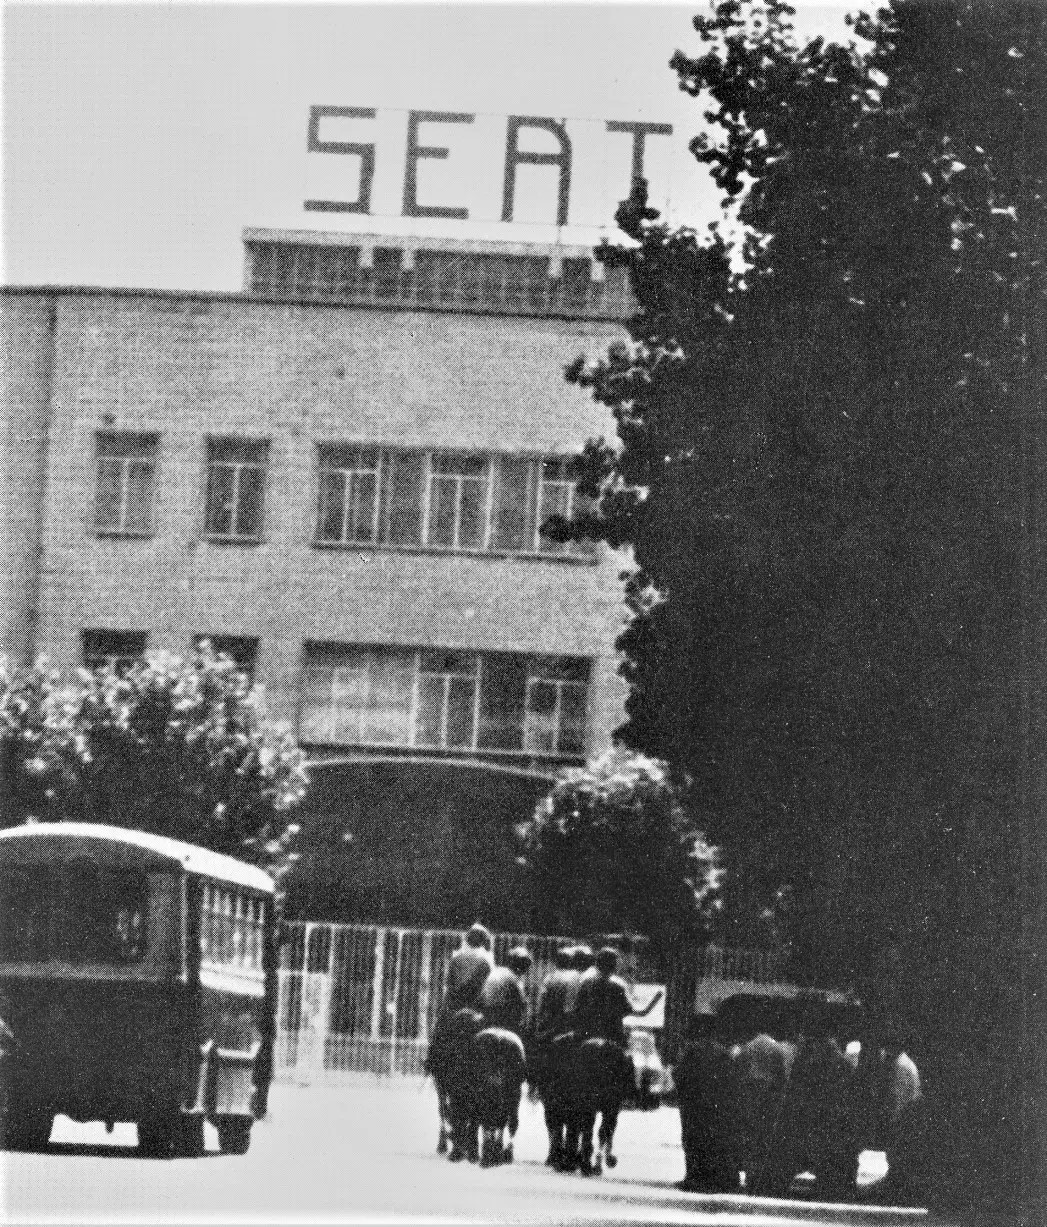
186, 367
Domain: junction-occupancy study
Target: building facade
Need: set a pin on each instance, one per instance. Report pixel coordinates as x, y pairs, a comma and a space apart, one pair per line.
340, 477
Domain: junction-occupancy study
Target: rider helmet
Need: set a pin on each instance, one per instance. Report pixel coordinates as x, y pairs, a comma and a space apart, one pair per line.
583, 958
607, 960
519, 960
478, 936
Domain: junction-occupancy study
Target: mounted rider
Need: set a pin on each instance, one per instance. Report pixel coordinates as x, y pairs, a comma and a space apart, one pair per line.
471, 964
552, 1017
601, 1003
502, 1000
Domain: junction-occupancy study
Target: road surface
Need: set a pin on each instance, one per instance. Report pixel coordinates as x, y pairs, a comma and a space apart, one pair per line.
366, 1153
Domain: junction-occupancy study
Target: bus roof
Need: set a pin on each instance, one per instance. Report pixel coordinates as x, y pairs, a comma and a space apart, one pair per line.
189, 857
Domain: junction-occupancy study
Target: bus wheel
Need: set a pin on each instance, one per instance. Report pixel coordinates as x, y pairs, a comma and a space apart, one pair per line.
190, 1143
157, 1136
29, 1129
234, 1134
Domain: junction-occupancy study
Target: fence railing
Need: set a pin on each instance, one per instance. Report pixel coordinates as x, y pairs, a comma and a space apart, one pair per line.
364, 998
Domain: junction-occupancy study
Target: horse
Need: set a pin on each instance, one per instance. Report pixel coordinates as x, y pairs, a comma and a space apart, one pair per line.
448, 1064
585, 1079
603, 1079
497, 1071
555, 1089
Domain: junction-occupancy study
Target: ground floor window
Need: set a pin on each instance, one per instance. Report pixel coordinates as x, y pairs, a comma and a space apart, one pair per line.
117, 649
446, 700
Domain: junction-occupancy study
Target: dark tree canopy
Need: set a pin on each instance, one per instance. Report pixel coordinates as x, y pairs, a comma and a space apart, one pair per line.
830, 418
820, 468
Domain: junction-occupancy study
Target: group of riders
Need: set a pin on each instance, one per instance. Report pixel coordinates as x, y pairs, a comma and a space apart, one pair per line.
572, 1049
756, 1110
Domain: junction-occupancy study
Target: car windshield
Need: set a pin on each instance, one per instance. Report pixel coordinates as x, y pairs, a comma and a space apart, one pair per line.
72, 914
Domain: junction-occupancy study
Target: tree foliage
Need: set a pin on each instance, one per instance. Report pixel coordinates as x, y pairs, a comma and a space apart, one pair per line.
178, 747
611, 849
821, 465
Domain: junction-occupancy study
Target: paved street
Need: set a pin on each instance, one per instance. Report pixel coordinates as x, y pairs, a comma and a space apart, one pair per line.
366, 1153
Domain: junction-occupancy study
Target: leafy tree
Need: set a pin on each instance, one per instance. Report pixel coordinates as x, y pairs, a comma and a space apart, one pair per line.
611, 849
828, 418
178, 747
818, 468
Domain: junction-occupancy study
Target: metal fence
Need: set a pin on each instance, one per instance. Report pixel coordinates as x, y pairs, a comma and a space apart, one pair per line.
364, 998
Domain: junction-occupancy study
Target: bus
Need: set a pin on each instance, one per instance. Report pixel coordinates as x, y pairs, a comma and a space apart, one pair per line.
138, 983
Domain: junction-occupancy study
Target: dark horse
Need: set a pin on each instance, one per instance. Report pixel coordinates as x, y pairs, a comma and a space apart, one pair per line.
448, 1064
479, 1074
584, 1079
497, 1074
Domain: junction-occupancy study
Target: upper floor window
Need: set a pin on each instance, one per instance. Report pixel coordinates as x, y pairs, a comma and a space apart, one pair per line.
348, 507
461, 501
447, 700
103, 649
235, 489
126, 473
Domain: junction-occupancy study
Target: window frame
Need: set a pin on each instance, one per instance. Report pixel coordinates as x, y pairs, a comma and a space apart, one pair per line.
355, 658
325, 467
150, 442
212, 463
119, 661
391, 516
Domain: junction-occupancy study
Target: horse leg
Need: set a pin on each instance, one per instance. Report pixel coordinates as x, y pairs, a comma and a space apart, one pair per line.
513, 1123
442, 1108
587, 1122
608, 1124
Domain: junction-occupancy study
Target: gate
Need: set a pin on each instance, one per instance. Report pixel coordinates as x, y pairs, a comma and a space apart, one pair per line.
364, 998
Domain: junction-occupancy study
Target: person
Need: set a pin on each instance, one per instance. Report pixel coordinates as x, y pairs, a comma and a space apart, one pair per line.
706, 1084
901, 1121
502, 1000
581, 961
601, 1002
470, 966
552, 1016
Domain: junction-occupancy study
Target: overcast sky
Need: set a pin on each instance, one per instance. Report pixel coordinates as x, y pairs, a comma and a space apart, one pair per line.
140, 140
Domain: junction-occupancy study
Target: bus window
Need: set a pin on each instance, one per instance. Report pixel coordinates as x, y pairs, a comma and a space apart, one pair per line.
77, 915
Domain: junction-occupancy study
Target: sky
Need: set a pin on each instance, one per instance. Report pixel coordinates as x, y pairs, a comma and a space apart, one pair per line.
140, 140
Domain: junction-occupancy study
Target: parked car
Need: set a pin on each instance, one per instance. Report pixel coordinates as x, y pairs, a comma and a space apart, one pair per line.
647, 1067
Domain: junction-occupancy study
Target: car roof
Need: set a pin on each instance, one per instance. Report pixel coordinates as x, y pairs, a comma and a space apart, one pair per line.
141, 847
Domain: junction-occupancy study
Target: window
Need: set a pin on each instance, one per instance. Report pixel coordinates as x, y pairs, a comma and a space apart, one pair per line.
447, 691
232, 928
76, 915
556, 497
118, 650
235, 488
446, 700
458, 489
459, 501
348, 507
241, 650
556, 701
126, 472
448, 280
